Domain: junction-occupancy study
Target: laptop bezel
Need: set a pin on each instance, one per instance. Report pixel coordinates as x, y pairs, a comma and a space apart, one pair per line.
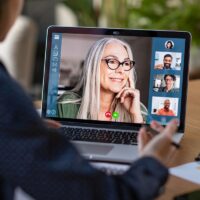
114, 32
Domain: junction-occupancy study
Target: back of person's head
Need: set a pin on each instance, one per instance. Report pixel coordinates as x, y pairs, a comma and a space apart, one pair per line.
3, 7
9, 10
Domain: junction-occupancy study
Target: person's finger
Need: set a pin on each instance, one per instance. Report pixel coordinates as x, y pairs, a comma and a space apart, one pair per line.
119, 94
156, 126
125, 94
131, 83
171, 128
52, 123
143, 138
171, 154
128, 93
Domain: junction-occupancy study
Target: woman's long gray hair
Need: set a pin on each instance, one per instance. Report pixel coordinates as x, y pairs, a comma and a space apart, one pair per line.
90, 83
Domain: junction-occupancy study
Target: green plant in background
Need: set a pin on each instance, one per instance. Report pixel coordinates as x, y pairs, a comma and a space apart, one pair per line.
84, 10
170, 14
137, 14
89, 12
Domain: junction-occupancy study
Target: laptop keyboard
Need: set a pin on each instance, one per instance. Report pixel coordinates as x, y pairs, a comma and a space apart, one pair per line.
96, 135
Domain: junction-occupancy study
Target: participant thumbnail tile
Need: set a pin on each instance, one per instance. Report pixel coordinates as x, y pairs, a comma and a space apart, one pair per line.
164, 106
167, 60
168, 83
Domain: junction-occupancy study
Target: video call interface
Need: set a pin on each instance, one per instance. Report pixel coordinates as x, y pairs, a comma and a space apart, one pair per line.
156, 66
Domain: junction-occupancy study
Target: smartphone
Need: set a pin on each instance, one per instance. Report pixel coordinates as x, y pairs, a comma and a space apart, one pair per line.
195, 195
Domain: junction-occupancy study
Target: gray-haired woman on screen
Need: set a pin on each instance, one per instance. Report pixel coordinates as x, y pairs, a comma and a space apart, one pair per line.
107, 85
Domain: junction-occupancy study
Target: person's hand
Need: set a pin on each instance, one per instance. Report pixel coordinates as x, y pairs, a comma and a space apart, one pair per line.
52, 123
158, 146
159, 66
130, 98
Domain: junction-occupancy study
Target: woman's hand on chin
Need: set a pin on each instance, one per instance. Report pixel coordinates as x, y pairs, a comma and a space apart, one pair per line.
130, 98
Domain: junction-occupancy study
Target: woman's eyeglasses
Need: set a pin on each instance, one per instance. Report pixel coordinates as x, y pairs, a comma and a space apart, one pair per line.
113, 64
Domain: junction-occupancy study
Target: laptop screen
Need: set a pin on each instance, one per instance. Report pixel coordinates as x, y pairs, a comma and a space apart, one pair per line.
115, 76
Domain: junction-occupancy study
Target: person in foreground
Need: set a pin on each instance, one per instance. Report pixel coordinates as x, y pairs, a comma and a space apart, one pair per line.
47, 166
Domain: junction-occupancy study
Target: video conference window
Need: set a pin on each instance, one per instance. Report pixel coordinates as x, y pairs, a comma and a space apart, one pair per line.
168, 83
98, 78
164, 106
167, 60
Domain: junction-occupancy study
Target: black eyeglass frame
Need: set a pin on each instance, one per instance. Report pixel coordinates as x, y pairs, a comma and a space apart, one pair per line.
119, 63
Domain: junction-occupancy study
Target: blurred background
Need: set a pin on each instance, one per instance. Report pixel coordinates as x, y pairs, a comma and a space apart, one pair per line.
23, 50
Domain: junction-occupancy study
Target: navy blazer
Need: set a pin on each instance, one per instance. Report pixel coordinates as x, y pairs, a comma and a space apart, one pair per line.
48, 167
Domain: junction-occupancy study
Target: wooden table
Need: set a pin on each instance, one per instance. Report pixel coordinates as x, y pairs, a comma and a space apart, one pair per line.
190, 144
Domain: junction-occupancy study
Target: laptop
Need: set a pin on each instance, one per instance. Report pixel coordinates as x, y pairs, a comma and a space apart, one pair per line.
103, 84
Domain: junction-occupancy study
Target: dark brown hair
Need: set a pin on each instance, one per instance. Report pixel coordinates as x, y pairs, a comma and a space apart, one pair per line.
1, 7
171, 75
